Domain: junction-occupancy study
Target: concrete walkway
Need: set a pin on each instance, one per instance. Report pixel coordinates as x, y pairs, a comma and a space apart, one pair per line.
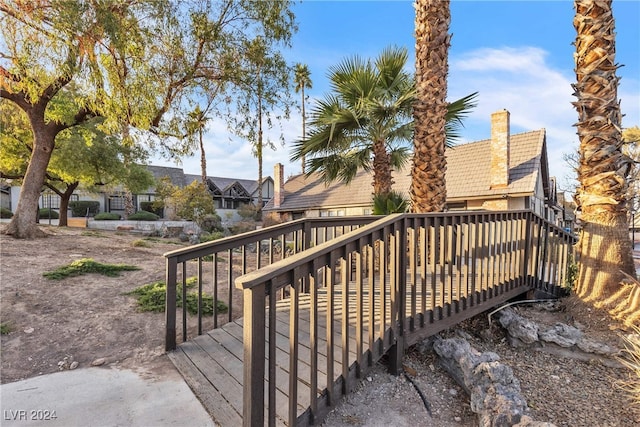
102, 396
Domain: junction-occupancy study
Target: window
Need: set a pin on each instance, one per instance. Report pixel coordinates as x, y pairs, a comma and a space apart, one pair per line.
116, 203
457, 206
52, 200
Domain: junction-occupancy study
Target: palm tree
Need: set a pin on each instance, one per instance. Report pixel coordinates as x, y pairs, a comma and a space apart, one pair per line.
604, 248
364, 122
302, 80
428, 190
197, 123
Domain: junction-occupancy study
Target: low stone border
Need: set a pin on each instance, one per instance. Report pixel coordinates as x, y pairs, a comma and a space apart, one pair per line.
559, 339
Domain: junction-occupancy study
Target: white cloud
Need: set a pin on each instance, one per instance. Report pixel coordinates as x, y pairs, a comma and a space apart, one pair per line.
521, 81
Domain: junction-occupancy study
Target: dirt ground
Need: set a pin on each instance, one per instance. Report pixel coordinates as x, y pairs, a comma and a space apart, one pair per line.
87, 318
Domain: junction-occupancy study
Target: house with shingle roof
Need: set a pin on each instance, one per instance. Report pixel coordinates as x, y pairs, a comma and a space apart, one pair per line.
505, 172
228, 193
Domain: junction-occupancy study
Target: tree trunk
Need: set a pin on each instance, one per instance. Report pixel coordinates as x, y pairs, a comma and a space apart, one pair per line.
604, 249
604, 254
203, 161
382, 179
428, 189
24, 225
304, 131
64, 203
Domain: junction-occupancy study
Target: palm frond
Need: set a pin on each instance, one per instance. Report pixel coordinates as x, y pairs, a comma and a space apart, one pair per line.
456, 112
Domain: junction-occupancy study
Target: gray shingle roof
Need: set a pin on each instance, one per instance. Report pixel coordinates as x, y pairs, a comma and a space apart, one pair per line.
467, 177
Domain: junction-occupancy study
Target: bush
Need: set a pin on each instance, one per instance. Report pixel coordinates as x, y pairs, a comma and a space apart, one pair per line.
5, 213
143, 216
107, 216
389, 203
249, 212
152, 297
209, 237
45, 213
79, 208
151, 207
630, 357
211, 223
242, 227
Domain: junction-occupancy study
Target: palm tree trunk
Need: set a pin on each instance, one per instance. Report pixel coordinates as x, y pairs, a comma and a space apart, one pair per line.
304, 131
604, 249
203, 160
382, 180
428, 188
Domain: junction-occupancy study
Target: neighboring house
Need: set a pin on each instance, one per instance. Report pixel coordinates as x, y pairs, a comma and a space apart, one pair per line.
228, 193
504, 172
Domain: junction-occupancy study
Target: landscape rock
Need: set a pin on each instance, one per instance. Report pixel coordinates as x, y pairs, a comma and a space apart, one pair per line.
561, 334
98, 362
493, 389
521, 331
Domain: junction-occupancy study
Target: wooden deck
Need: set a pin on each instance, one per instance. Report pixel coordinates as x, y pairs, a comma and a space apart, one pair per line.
212, 363
438, 271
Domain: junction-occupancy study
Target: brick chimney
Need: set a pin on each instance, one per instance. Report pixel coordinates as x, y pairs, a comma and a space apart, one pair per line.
500, 149
278, 190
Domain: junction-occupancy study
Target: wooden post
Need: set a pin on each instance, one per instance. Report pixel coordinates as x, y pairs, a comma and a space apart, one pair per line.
170, 308
253, 335
398, 275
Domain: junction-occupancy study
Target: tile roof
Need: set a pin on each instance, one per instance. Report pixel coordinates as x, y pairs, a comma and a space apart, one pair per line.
467, 177
179, 178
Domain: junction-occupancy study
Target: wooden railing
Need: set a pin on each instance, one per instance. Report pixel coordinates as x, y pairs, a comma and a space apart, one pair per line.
378, 290
216, 264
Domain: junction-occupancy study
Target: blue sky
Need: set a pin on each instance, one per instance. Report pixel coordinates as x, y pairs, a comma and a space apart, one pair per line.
517, 54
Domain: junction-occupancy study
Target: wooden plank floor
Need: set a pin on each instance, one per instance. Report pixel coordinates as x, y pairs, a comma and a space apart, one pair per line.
212, 363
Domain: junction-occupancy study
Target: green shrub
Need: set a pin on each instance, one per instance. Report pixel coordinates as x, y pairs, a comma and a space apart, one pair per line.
152, 207
389, 203
79, 208
107, 216
5, 213
85, 266
143, 216
210, 237
141, 243
210, 223
249, 212
152, 297
48, 213
5, 328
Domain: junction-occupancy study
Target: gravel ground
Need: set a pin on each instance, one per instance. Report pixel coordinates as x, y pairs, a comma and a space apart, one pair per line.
559, 390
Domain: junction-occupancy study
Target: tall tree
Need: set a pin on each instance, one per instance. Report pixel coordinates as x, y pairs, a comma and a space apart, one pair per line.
84, 158
133, 63
195, 127
604, 248
428, 187
263, 96
364, 123
302, 81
